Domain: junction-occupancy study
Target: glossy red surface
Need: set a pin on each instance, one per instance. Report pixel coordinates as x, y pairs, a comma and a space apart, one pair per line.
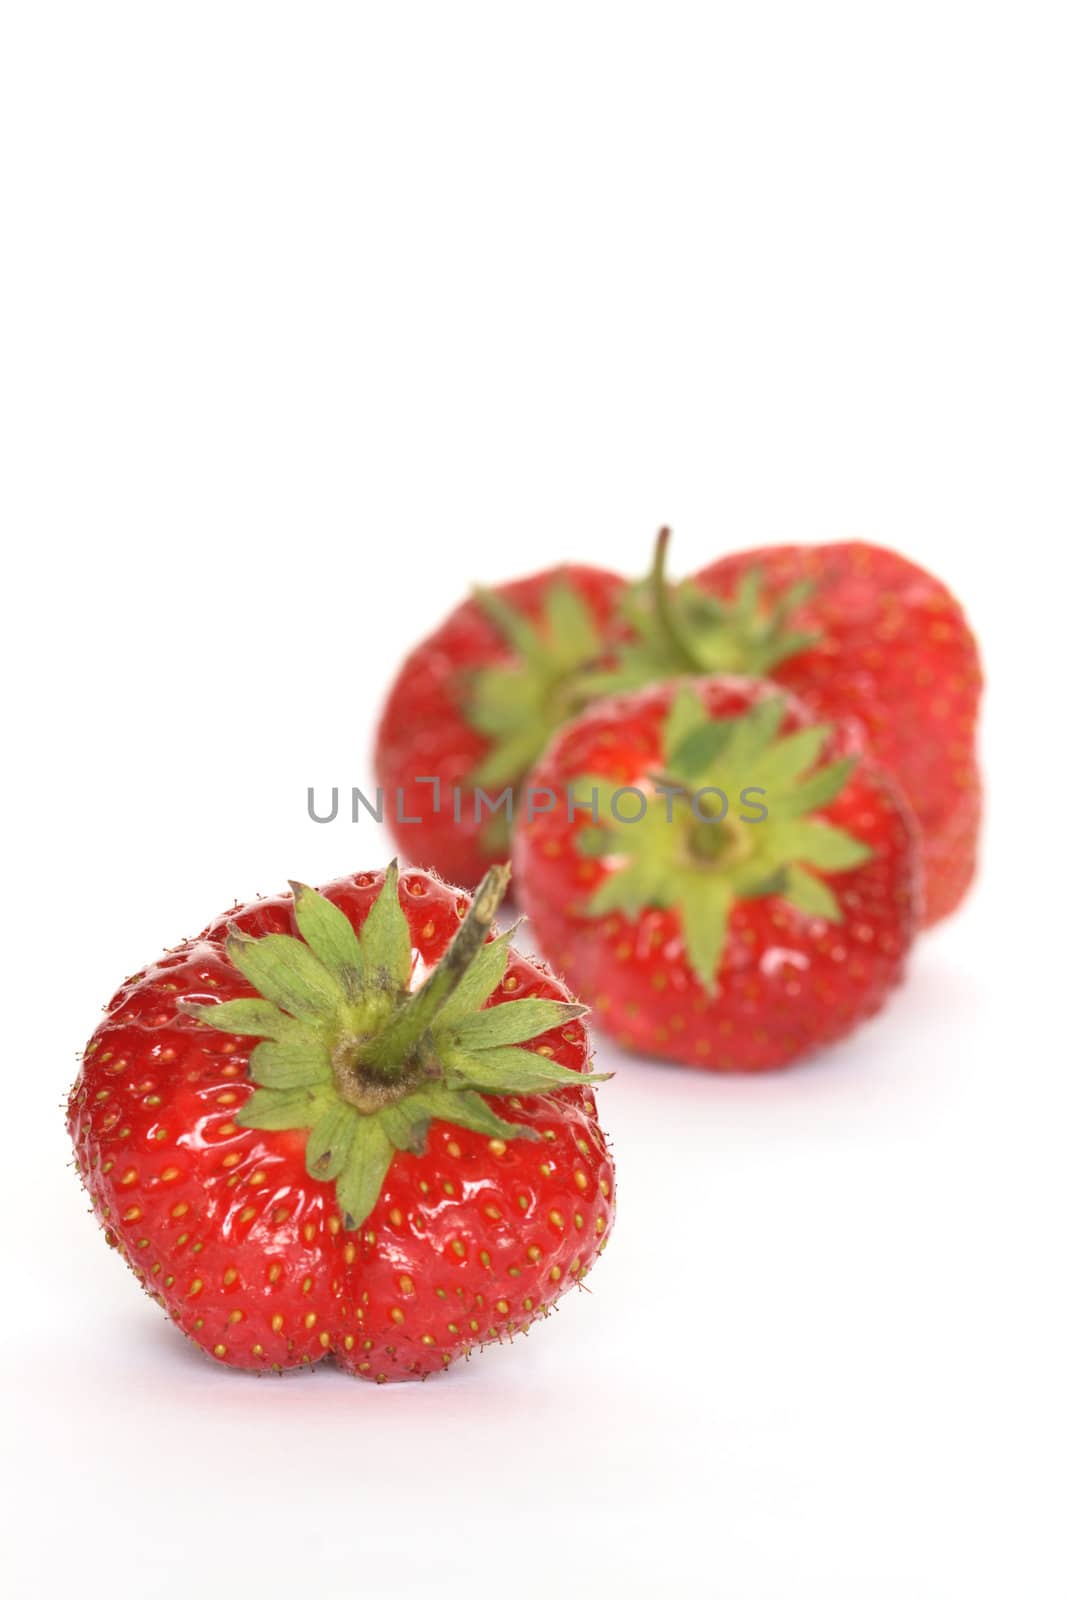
897, 656
469, 1243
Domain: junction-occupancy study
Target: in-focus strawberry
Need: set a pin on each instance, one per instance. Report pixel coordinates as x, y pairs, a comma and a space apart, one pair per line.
729, 884
341, 1124
475, 703
860, 633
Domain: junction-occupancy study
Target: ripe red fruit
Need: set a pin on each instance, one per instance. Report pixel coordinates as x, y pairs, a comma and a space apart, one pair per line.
300, 1155
859, 633
474, 704
722, 940
891, 647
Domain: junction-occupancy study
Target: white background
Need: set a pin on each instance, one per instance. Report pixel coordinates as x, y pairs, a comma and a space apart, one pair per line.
315, 313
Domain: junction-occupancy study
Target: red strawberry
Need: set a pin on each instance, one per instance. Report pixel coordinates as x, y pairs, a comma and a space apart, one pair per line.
301, 1155
859, 633
474, 705
699, 930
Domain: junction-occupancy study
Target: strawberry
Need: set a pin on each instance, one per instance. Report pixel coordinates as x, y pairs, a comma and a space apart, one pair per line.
730, 883
859, 633
474, 704
302, 1155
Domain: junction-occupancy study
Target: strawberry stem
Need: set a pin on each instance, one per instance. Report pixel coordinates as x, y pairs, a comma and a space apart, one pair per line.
666, 612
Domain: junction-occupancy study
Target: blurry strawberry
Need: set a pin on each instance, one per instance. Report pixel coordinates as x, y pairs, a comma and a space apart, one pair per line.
316, 1130
475, 703
859, 633
748, 887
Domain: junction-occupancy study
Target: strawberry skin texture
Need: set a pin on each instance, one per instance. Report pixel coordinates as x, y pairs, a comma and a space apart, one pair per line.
424, 731
788, 982
486, 1246
897, 655
468, 1243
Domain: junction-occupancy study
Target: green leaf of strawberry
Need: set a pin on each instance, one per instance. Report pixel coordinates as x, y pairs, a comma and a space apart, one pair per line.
348, 1052
676, 856
386, 945
330, 935
683, 629
516, 706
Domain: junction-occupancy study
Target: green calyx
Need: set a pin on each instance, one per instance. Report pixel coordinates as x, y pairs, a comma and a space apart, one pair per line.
351, 1053
681, 629
517, 705
730, 818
